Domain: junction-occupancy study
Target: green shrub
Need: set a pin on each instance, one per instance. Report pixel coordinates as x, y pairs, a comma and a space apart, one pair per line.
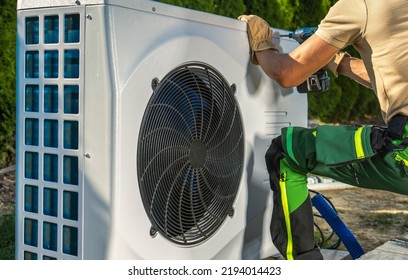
7, 81
7, 237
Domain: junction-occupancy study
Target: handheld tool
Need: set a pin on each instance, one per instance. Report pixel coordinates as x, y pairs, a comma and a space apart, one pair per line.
301, 34
319, 81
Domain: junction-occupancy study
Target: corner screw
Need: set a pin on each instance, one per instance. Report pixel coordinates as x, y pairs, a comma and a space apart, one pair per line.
155, 83
153, 232
233, 88
232, 212
89, 17
78, 2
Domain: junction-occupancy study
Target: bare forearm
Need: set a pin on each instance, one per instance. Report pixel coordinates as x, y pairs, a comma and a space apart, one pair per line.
354, 68
278, 67
294, 68
287, 70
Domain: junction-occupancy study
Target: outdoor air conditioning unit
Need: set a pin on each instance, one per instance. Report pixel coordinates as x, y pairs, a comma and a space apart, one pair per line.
141, 133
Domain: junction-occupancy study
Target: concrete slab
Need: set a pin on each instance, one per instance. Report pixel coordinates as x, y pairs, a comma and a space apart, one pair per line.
328, 254
395, 249
335, 255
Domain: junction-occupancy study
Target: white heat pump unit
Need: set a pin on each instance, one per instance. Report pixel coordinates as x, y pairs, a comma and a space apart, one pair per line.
141, 133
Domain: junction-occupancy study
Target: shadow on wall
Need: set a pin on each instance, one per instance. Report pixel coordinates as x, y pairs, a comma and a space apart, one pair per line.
259, 201
98, 214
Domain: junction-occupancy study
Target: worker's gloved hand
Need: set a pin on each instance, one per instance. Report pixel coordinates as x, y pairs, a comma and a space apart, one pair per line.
259, 35
333, 64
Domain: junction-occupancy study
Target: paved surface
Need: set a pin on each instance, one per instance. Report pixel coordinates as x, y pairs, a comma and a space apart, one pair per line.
335, 255
395, 249
327, 255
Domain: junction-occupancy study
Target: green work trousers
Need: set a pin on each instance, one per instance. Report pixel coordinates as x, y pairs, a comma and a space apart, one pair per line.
343, 153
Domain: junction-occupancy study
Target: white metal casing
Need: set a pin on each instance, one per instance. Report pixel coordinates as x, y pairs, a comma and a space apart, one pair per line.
123, 45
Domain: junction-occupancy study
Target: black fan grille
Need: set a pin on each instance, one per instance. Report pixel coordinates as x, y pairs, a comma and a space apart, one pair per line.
190, 154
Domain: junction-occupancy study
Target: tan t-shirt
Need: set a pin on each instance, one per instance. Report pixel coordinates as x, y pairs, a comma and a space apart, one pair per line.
378, 29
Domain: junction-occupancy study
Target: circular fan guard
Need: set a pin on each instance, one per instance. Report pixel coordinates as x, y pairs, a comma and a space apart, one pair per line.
190, 154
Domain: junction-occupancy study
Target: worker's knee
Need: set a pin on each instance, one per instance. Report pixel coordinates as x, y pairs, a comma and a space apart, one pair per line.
299, 146
273, 155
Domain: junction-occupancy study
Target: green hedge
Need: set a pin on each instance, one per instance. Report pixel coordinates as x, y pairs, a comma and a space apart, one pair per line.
7, 236
7, 81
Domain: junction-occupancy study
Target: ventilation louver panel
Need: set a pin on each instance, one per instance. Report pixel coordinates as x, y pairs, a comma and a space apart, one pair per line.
190, 154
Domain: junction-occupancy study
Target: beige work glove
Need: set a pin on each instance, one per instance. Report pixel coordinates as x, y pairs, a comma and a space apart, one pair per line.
334, 63
259, 35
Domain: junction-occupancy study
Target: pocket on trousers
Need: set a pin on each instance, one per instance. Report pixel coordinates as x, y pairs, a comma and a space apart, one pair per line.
338, 145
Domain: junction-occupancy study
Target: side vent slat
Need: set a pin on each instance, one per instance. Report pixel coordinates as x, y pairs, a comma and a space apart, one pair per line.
50, 129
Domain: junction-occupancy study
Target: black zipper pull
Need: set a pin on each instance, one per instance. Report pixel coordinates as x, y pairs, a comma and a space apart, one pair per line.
355, 174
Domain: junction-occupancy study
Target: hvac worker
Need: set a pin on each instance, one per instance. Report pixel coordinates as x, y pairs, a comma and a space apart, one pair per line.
364, 156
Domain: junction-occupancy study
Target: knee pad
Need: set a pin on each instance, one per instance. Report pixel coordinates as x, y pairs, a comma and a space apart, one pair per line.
273, 156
